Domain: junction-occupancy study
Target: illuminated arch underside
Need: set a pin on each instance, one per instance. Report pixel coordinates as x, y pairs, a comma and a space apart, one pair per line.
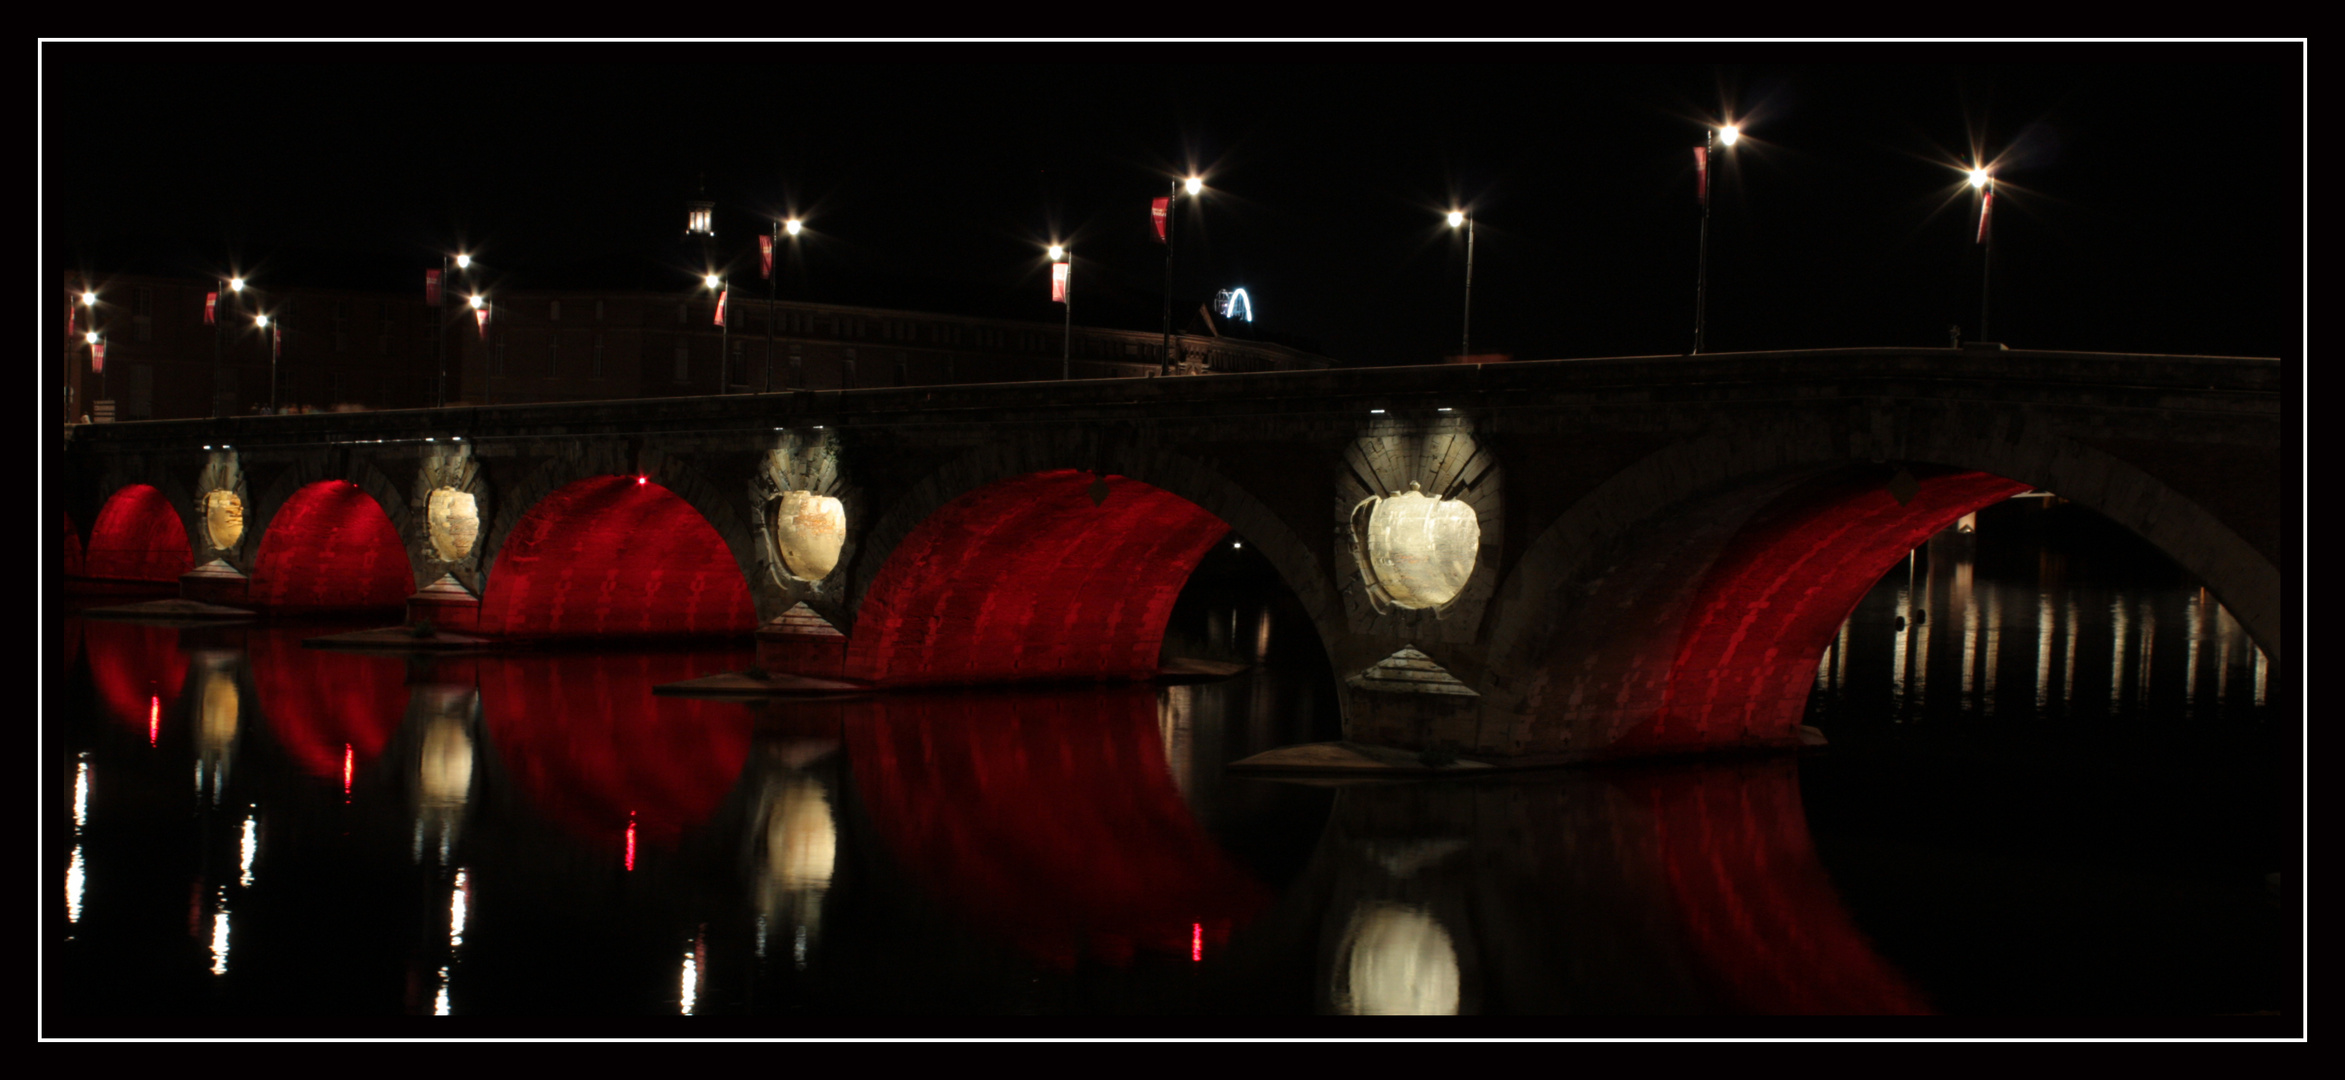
139, 537
609, 556
330, 548
1027, 579
1772, 600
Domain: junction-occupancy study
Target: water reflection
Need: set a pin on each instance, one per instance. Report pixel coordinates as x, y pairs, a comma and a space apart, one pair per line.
2166, 647
1051, 820
595, 848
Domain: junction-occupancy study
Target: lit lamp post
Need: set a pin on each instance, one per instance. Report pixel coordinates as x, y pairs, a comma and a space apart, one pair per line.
1192, 185
789, 227
233, 287
89, 307
463, 262
1459, 218
1724, 135
716, 284
1062, 285
1983, 182
261, 322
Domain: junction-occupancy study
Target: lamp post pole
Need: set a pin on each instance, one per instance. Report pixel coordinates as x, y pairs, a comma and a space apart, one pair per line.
1062, 288
1985, 182
261, 322
1172, 204
1465, 347
1727, 134
769, 310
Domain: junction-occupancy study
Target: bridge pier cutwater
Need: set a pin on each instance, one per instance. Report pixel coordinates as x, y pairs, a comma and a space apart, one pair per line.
1525, 562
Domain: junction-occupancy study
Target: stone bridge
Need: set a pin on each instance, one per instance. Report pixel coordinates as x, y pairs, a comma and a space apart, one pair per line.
1557, 560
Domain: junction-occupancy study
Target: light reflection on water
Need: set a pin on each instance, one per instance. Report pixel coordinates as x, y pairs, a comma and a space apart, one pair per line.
545, 830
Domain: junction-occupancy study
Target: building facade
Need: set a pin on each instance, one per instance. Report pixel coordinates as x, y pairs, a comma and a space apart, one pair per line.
341, 350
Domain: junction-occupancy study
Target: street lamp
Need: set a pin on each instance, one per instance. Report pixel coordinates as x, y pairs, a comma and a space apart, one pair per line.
1458, 218
1192, 185
1983, 182
1062, 286
462, 261
789, 227
261, 323
1728, 135
716, 284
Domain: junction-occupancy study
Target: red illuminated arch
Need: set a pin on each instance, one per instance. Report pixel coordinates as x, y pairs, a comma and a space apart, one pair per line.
330, 547
586, 743
615, 556
1028, 579
320, 703
1770, 603
139, 537
1049, 819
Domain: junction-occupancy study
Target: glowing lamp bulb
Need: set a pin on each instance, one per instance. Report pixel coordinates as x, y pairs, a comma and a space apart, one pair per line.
1456, 218
260, 320
640, 481
1193, 185
710, 281
464, 262
89, 299
1728, 134
793, 226
477, 302
235, 284
91, 337
1978, 178
1057, 252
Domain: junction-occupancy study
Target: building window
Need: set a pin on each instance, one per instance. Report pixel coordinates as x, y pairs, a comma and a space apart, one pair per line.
497, 355
553, 311
903, 369
679, 314
598, 311
553, 356
683, 362
597, 370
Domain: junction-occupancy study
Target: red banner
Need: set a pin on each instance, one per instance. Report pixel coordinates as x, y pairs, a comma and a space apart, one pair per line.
481, 315
276, 340
721, 297
765, 256
1157, 209
1058, 283
1702, 174
431, 288
98, 356
72, 321
211, 308
1986, 203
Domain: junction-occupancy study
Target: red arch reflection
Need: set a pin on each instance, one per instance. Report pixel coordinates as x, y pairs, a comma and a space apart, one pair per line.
1771, 602
330, 548
319, 701
1732, 843
1049, 819
1028, 579
139, 537
614, 555
588, 746
139, 670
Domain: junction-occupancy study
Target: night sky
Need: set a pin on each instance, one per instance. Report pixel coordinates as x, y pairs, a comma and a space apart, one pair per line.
2149, 198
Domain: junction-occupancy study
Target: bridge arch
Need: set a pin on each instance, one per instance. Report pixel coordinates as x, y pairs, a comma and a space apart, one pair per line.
329, 546
140, 535
1091, 584
1710, 634
614, 555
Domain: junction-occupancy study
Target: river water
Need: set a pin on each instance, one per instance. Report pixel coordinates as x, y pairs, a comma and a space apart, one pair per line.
2061, 783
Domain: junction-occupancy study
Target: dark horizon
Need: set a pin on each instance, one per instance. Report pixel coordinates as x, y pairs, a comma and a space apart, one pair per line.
1841, 220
